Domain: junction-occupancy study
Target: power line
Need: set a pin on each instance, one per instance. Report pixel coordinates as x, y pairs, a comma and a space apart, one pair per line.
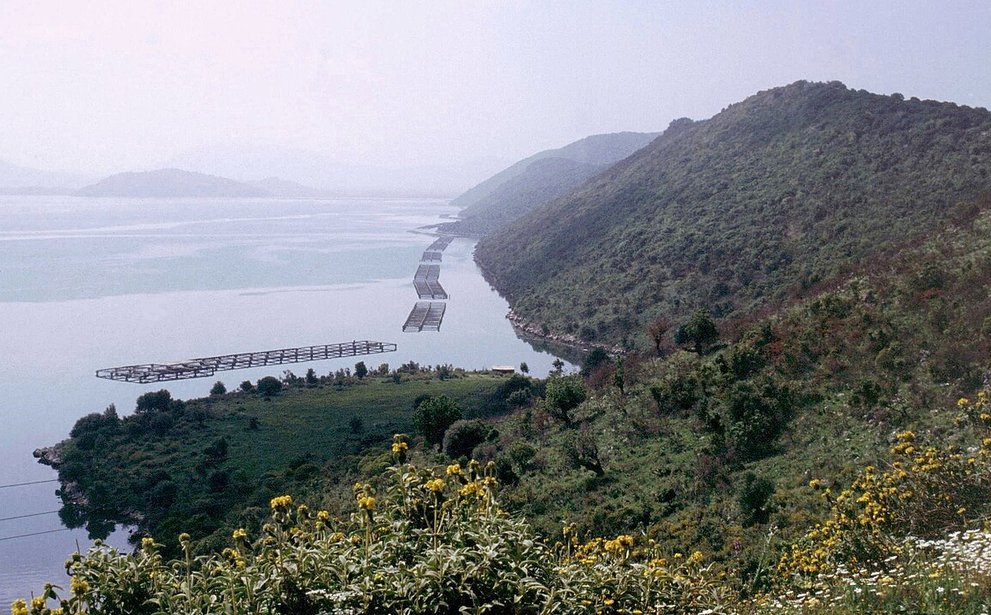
32, 482
37, 514
62, 529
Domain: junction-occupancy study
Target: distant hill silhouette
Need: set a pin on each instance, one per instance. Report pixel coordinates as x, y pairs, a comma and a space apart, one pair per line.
170, 183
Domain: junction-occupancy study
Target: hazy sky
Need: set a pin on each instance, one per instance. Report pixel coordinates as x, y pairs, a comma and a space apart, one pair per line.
108, 86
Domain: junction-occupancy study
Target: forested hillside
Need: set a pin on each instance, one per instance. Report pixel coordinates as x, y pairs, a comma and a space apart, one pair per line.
534, 181
773, 195
834, 457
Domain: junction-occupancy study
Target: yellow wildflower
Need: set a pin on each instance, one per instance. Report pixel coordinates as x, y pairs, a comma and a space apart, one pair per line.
366, 502
239, 533
78, 586
436, 485
19, 607
147, 543
962, 402
324, 516
454, 469
282, 501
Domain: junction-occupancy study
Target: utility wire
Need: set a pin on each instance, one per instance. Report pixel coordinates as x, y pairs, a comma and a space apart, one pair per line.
37, 514
62, 529
32, 482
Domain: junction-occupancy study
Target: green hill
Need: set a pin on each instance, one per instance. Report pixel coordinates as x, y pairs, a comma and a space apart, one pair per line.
536, 180
543, 181
790, 187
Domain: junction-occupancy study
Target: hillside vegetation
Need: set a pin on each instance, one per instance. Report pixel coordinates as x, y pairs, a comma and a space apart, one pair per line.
832, 457
539, 179
788, 188
824, 448
205, 466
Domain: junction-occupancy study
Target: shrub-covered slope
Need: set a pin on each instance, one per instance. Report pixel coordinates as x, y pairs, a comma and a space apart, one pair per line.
803, 456
788, 187
536, 180
543, 181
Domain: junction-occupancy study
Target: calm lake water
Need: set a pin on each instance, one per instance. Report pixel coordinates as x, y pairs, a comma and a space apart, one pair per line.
93, 283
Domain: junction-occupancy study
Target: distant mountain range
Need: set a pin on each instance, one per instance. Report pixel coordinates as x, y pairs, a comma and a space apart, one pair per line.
539, 179
169, 183
176, 183
290, 173
248, 162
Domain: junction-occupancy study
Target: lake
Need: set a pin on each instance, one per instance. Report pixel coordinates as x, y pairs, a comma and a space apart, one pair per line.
93, 283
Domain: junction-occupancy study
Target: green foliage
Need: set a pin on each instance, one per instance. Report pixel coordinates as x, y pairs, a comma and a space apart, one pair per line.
222, 458
433, 416
563, 394
754, 499
593, 360
539, 179
462, 437
360, 370
218, 388
269, 386
699, 332
156, 401
741, 212
421, 544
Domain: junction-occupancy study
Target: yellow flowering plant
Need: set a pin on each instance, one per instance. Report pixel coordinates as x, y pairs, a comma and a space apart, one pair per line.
424, 541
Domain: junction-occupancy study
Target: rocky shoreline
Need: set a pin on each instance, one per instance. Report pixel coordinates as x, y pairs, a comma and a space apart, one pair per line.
566, 339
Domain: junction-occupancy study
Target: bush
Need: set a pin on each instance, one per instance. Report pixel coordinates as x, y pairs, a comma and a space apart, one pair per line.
462, 437
564, 394
218, 388
433, 416
754, 499
269, 386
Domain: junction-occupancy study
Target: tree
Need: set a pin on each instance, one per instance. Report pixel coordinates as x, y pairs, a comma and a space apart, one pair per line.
311, 377
584, 453
360, 370
463, 436
656, 331
218, 388
157, 400
699, 331
564, 394
247, 387
524, 368
433, 416
558, 366
754, 499
618, 379
269, 386
595, 358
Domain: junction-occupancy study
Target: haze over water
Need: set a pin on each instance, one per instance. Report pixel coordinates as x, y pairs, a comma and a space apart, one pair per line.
92, 283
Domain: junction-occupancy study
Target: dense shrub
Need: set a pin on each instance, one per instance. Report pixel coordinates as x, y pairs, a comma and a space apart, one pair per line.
462, 437
434, 415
